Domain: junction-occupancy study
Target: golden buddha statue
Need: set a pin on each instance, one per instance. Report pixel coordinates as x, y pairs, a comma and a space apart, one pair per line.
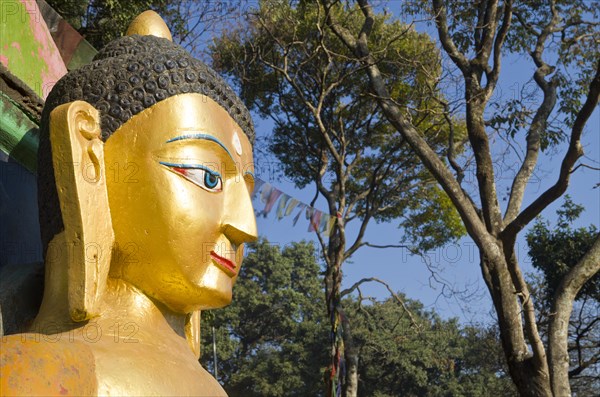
146, 155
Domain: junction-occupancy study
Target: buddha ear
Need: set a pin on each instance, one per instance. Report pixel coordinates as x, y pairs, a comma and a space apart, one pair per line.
78, 160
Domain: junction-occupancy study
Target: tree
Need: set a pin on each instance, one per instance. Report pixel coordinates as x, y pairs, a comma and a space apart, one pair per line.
330, 133
273, 339
555, 251
475, 38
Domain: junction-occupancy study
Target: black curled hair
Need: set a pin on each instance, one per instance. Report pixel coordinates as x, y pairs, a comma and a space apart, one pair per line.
130, 74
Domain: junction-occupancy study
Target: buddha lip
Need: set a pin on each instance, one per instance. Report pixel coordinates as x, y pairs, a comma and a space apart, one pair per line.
224, 263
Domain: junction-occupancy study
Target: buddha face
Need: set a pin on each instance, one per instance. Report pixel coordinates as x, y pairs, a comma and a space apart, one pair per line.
179, 177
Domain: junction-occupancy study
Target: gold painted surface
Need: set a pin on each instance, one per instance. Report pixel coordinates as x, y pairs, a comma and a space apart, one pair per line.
164, 220
149, 23
137, 329
82, 191
31, 366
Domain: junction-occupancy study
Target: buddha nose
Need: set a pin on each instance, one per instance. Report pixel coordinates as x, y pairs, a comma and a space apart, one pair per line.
239, 221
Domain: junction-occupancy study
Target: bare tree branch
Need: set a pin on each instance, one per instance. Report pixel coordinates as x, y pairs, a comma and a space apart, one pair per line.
539, 123
390, 290
441, 20
492, 77
574, 151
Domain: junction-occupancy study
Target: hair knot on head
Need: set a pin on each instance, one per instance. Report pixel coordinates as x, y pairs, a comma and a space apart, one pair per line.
149, 23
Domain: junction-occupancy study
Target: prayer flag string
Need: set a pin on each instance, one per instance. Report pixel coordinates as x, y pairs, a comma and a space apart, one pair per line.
286, 205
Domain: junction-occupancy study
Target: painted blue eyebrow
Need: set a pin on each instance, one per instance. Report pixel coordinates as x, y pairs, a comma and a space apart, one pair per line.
202, 136
250, 173
195, 166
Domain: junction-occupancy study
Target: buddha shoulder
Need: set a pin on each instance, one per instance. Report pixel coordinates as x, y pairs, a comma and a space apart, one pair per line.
35, 364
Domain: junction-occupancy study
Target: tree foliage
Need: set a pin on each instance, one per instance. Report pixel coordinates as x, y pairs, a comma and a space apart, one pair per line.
102, 21
273, 339
424, 355
190, 21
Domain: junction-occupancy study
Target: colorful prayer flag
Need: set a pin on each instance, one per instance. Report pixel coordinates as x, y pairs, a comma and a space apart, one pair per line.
281, 207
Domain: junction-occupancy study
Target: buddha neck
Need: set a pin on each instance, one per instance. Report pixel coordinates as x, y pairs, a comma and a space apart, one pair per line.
126, 304
122, 303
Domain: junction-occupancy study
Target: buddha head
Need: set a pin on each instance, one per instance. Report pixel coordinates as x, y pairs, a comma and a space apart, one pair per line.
145, 169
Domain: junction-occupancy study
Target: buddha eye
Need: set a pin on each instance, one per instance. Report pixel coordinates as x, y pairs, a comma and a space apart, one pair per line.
199, 175
205, 178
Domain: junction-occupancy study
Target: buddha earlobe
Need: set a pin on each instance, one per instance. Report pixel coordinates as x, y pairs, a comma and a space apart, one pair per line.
78, 160
149, 23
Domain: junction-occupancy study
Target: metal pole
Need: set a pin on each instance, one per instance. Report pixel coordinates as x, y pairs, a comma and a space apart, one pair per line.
215, 355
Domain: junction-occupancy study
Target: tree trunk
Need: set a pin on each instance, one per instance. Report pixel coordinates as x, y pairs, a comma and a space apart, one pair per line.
529, 381
351, 387
338, 323
528, 369
352, 376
